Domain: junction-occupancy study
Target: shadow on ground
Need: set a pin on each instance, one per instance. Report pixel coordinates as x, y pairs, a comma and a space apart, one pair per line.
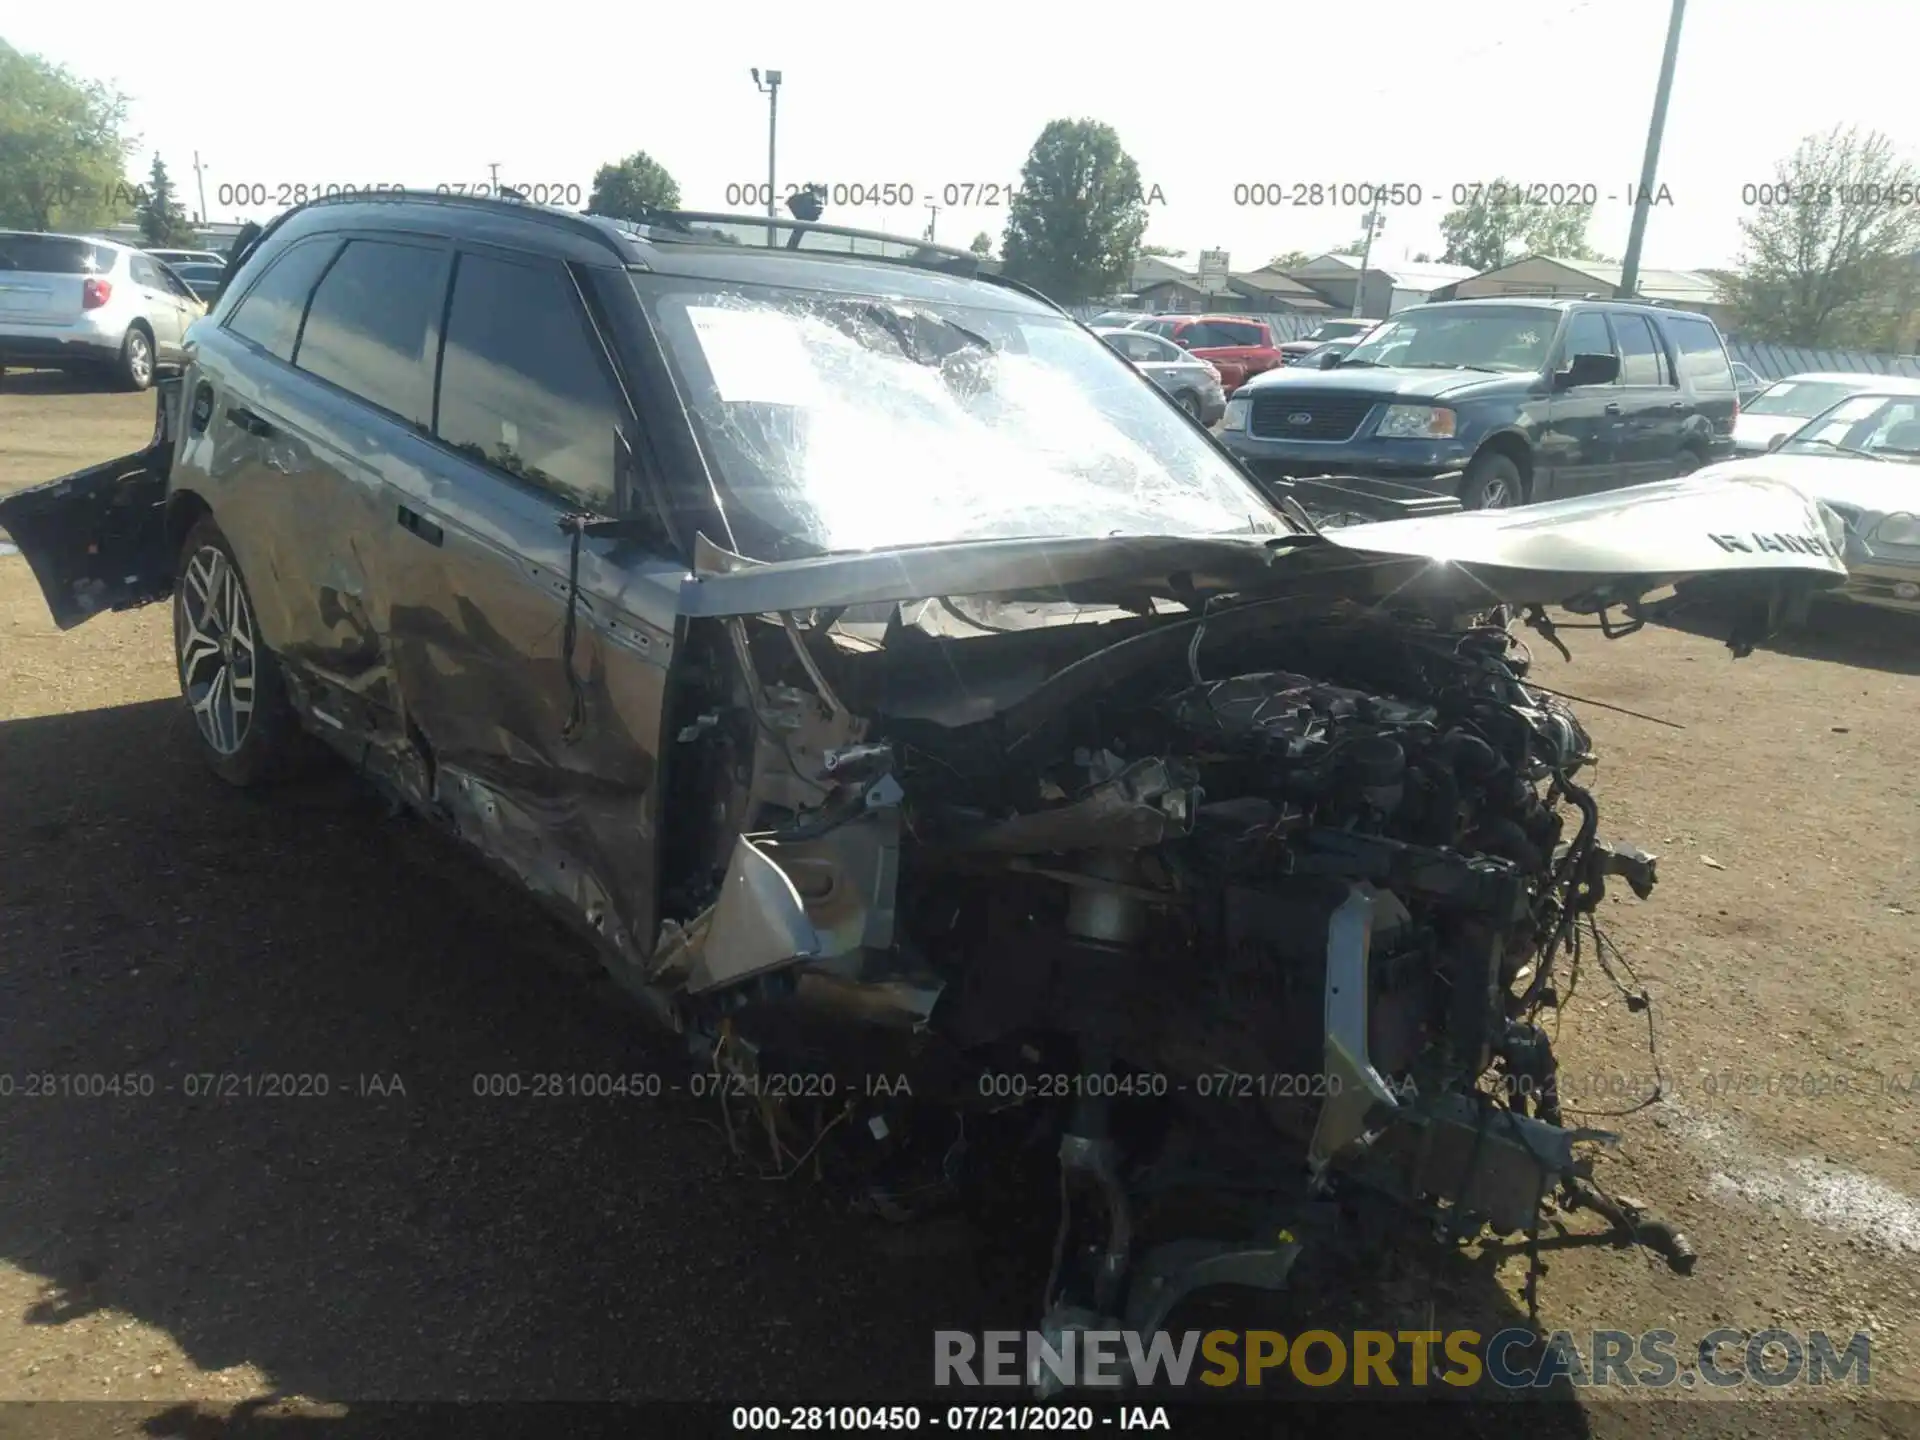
1839, 632
81, 381
400, 1237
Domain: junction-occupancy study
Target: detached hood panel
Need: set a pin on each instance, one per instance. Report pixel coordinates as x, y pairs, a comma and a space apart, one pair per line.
1615, 545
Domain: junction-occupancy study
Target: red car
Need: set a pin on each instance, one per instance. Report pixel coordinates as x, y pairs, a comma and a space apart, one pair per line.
1238, 348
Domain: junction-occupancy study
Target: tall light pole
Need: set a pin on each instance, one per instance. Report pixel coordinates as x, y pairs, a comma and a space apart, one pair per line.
1375, 220
933, 217
200, 181
770, 87
1649, 166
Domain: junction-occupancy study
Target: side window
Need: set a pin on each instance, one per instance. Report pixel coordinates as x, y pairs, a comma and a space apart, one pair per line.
146, 273
366, 330
1162, 350
1702, 358
270, 314
1586, 335
523, 381
1641, 360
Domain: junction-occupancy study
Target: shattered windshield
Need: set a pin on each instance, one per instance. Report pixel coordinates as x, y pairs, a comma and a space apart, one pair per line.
839, 422
1477, 337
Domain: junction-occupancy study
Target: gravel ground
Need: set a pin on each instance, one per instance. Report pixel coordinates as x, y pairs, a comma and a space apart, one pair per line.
402, 1238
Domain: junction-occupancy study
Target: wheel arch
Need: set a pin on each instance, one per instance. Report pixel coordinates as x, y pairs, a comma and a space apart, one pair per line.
184, 509
1514, 447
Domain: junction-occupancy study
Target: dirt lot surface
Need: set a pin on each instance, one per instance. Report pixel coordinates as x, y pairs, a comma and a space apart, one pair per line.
400, 1237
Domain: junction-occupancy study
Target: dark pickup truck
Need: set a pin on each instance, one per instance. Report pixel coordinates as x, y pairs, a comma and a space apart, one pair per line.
1524, 400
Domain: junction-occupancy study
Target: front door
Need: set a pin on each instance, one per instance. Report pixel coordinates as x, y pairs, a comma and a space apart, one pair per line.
1577, 451
547, 759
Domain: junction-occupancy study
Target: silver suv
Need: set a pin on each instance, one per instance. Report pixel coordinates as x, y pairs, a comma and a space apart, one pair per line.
79, 304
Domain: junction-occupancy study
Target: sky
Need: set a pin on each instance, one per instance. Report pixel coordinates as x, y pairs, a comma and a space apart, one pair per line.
1220, 108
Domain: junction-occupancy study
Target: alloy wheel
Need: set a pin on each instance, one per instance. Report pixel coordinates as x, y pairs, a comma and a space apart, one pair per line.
214, 631
139, 358
1496, 493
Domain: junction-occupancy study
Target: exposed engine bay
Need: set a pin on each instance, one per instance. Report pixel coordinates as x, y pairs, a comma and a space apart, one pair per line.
1295, 873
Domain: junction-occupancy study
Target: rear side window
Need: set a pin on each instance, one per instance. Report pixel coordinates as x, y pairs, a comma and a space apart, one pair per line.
1207, 333
1642, 361
54, 255
523, 381
366, 330
270, 314
1702, 358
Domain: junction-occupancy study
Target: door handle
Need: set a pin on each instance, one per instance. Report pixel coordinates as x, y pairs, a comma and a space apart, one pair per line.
1612, 409
415, 523
1676, 404
248, 421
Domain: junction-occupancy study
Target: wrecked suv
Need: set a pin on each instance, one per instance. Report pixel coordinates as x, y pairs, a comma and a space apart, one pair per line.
889, 681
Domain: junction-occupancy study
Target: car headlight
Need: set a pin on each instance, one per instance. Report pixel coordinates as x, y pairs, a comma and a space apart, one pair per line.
1416, 422
1901, 529
1236, 416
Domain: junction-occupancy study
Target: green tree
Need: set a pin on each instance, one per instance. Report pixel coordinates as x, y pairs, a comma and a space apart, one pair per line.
1073, 231
982, 245
1288, 260
628, 189
1163, 252
62, 146
162, 221
1827, 258
1497, 226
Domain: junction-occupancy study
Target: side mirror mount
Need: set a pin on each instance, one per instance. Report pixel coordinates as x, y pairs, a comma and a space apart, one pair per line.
1777, 441
1329, 360
1588, 369
1183, 342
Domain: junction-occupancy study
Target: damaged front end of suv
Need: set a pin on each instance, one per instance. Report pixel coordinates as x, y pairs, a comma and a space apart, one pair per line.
1013, 807
1237, 874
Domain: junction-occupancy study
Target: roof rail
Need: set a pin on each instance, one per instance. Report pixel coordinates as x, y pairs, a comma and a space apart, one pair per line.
573, 219
711, 227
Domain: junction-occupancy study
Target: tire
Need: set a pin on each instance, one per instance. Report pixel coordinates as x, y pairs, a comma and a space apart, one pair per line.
1492, 483
1688, 462
134, 369
236, 699
1190, 403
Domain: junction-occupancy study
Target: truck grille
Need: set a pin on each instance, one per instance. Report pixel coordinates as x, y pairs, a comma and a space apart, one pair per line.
1330, 417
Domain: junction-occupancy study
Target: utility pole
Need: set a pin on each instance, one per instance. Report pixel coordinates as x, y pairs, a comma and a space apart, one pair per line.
770, 87
1649, 167
1375, 221
933, 218
494, 167
200, 181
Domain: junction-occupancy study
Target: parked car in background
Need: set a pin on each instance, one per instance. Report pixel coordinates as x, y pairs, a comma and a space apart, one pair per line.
1351, 327
1747, 383
1238, 347
1193, 383
1120, 319
202, 278
1787, 404
193, 257
1860, 457
1521, 400
74, 303
1323, 356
